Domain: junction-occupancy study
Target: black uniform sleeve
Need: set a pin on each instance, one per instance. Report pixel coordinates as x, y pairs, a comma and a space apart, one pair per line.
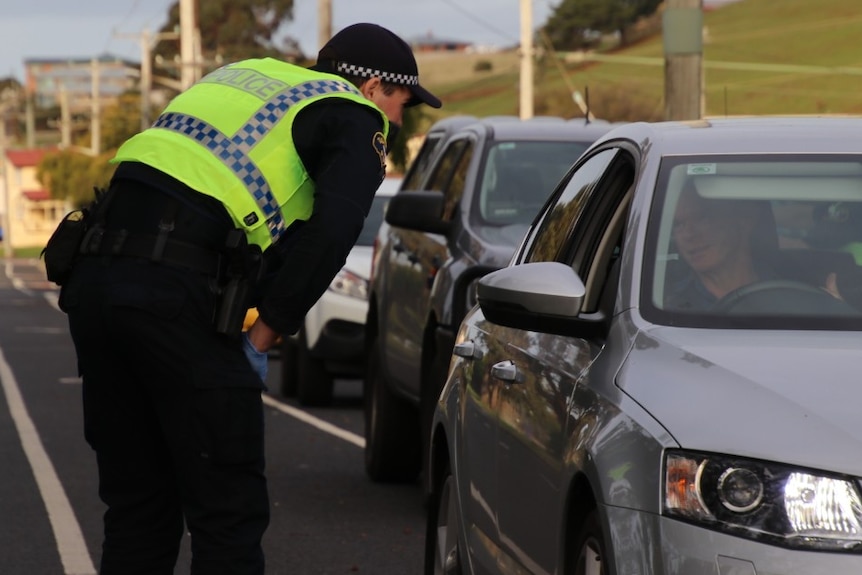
340, 144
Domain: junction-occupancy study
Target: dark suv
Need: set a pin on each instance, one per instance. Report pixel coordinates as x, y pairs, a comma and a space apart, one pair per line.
461, 211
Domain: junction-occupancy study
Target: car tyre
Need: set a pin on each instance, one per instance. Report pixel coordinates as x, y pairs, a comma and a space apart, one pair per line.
288, 367
314, 384
392, 448
589, 548
442, 551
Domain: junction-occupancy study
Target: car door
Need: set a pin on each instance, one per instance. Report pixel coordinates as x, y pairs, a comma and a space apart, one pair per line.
535, 374
416, 257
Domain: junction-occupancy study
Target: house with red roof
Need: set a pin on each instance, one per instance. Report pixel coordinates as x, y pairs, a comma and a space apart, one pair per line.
29, 213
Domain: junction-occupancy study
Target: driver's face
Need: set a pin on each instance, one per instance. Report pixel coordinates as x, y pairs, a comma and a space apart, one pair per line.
708, 234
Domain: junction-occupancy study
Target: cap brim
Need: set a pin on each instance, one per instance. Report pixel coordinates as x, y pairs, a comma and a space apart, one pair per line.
423, 96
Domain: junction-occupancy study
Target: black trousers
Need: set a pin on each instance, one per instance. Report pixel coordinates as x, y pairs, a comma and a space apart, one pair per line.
174, 413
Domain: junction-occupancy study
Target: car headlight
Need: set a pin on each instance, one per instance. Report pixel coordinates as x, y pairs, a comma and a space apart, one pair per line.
782, 504
349, 284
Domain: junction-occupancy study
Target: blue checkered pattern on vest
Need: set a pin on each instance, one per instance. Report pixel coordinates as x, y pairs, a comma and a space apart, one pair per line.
233, 150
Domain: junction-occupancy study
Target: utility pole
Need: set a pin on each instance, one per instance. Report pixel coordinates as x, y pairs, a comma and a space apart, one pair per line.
189, 64
682, 32
324, 22
526, 90
95, 110
7, 244
147, 42
65, 118
30, 119
146, 79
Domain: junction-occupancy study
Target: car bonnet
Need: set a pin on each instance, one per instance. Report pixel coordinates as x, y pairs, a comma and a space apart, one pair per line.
791, 397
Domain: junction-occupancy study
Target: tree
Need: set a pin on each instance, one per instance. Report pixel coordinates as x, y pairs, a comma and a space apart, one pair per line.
233, 29
412, 119
71, 175
121, 120
575, 23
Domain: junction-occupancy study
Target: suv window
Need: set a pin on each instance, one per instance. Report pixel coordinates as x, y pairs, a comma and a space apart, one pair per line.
519, 176
414, 177
455, 189
450, 176
372, 221
448, 161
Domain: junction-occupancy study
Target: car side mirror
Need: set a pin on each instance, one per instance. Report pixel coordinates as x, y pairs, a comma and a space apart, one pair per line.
541, 296
418, 210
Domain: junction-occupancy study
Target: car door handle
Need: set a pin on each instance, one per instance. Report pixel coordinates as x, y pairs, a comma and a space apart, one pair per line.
467, 349
505, 370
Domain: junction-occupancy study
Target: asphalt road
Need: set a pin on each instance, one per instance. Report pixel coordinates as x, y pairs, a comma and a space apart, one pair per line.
327, 517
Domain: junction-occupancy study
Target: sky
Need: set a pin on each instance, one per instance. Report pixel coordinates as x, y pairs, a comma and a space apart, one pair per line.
57, 29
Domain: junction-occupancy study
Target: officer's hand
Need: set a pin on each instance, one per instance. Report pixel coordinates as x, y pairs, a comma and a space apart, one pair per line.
257, 359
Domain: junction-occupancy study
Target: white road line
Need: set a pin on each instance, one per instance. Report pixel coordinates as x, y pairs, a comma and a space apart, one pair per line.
318, 423
70, 541
52, 298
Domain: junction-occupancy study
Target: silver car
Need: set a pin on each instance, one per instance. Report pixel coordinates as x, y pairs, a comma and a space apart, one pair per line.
665, 379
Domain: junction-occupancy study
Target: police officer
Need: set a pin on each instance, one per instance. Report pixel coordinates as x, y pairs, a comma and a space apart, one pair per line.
256, 180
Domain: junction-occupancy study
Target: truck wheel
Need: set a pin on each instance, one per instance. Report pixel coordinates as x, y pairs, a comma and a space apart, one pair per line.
392, 448
288, 367
314, 383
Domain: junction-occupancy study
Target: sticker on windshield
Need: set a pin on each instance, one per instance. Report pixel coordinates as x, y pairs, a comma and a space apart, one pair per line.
701, 169
507, 146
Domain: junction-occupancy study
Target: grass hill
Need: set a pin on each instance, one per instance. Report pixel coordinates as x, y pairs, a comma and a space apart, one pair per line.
760, 57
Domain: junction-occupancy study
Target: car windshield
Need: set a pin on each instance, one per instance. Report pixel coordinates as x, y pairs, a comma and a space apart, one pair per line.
373, 221
519, 176
756, 242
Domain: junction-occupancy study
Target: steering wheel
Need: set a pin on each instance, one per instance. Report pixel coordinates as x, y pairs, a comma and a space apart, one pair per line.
778, 296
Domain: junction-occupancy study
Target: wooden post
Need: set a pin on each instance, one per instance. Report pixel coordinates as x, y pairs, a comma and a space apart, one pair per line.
188, 25
682, 31
324, 22
96, 109
526, 83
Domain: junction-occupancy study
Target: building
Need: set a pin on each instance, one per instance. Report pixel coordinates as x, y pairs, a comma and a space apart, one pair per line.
430, 43
47, 79
29, 214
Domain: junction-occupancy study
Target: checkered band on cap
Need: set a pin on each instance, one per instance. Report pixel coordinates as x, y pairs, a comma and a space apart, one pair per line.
232, 150
364, 72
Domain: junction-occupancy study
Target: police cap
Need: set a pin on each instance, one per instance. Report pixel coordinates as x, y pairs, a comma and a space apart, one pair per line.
369, 50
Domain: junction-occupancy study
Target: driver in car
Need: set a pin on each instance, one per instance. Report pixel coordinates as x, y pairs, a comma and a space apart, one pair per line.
714, 239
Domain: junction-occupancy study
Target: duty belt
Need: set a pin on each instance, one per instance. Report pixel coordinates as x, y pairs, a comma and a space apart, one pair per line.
156, 248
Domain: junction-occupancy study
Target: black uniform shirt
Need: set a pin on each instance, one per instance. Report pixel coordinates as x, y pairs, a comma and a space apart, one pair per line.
340, 144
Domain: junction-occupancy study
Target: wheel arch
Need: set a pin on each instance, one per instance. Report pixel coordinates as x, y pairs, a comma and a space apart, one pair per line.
580, 501
438, 459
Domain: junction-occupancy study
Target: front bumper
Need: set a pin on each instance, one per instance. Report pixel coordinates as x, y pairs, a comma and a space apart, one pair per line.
646, 543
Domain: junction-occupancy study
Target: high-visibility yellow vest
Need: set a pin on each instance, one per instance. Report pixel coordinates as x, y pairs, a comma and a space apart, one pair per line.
230, 136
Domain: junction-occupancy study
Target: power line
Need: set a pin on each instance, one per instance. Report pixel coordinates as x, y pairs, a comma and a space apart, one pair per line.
125, 19
479, 20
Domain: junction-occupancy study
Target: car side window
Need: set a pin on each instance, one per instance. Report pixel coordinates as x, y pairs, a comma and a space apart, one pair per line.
422, 163
457, 183
450, 175
446, 165
558, 222
594, 248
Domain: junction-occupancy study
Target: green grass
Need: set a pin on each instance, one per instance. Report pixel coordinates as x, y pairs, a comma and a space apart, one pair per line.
27, 253
812, 40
